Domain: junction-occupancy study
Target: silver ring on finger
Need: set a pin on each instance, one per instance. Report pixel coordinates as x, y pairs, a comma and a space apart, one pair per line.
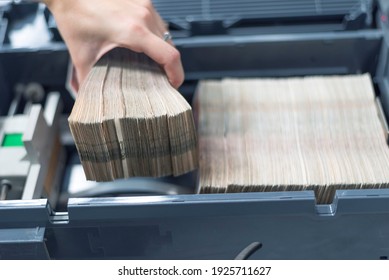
167, 36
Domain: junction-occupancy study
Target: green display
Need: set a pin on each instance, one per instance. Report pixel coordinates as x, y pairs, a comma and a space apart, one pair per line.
12, 140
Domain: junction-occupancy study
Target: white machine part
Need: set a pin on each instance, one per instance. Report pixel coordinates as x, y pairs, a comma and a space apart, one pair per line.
28, 169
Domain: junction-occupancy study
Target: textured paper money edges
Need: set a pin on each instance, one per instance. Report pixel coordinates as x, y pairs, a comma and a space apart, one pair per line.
142, 127
313, 133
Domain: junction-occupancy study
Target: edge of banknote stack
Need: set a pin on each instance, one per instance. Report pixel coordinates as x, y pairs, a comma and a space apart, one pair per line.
129, 121
319, 133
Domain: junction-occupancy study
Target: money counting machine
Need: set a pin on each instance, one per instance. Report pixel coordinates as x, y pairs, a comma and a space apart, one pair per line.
49, 211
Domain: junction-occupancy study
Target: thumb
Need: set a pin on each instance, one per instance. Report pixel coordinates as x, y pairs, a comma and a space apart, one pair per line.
74, 80
84, 58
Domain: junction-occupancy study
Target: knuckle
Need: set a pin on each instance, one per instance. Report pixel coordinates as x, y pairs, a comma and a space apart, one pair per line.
147, 4
137, 28
174, 56
145, 14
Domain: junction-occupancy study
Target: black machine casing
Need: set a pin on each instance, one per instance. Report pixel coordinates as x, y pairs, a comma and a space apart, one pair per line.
270, 39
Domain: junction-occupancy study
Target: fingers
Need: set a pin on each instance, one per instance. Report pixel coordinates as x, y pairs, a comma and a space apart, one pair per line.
162, 25
142, 40
147, 14
141, 29
153, 45
74, 80
167, 56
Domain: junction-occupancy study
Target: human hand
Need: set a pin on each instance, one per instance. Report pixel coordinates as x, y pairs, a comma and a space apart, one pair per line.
90, 28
